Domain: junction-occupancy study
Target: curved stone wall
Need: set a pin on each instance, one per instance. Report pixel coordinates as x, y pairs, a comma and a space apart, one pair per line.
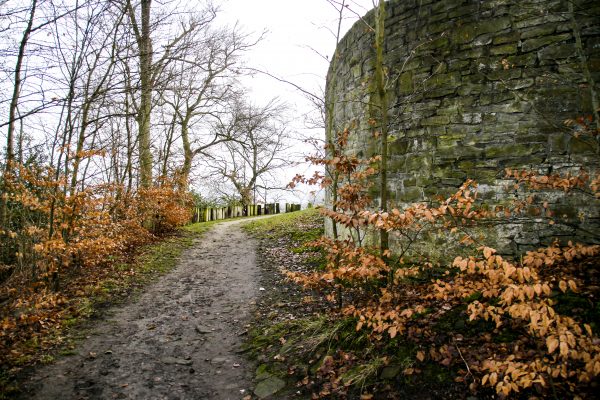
476, 87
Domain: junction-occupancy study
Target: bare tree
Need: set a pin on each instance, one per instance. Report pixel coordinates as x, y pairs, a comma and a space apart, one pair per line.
17, 87
202, 84
151, 70
250, 163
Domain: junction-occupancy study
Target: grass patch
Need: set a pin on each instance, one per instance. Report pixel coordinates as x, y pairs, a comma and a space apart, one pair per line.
300, 227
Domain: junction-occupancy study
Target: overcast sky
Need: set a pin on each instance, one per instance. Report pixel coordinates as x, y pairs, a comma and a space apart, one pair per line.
296, 33
298, 37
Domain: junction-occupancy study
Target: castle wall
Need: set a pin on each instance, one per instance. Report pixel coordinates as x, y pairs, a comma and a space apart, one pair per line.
476, 87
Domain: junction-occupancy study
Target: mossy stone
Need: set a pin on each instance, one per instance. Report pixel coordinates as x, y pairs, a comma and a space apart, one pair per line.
405, 83
467, 33
533, 44
269, 387
411, 194
509, 48
390, 372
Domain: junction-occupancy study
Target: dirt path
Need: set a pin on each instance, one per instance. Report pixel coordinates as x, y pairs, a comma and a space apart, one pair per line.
179, 341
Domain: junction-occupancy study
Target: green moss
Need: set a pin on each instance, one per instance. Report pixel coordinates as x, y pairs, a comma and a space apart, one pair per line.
578, 305
47, 359
507, 335
533, 44
510, 48
468, 32
405, 83
437, 373
473, 297
507, 38
509, 150
449, 80
67, 352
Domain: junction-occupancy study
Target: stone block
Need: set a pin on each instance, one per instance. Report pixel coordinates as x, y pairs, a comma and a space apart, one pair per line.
400, 146
436, 93
583, 145
556, 52
466, 33
436, 120
418, 162
458, 152
509, 37
537, 31
516, 84
538, 20
503, 74
467, 88
536, 43
463, 130
523, 60
509, 150
439, 42
410, 194
405, 83
462, 11
505, 49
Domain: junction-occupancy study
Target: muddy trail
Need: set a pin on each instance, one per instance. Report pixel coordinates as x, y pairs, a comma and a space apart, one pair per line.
180, 340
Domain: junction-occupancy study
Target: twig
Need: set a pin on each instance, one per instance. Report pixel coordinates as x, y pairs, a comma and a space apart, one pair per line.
465, 361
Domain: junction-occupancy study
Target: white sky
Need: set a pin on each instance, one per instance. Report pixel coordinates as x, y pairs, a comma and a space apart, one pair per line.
293, 28
299, 34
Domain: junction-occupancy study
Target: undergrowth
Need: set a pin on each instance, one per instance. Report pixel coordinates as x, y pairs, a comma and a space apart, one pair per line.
322, 351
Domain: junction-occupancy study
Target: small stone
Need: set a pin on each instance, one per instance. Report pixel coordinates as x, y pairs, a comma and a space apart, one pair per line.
202, 329
269, 387
262, 372
178, 361
390, 372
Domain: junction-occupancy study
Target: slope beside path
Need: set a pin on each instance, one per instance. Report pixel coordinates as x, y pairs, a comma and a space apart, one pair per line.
180, 340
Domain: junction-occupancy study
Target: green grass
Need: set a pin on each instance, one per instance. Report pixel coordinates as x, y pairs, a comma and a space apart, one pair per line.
200, 228
300, 226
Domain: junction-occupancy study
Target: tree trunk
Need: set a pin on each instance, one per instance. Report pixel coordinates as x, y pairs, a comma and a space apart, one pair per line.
144, 42
383, 116
330, 129
188, 154
12, 111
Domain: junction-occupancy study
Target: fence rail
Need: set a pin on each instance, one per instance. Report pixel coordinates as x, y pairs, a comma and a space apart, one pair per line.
205, 214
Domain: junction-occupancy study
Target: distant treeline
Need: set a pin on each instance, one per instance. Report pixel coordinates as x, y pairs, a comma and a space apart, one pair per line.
204, 214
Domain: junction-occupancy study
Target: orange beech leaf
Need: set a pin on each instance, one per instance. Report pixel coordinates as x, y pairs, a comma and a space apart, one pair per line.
563, 286
572, 285
552, 344
392, 332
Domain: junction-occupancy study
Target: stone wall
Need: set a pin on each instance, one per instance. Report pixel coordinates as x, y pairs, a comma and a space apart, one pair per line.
476, 87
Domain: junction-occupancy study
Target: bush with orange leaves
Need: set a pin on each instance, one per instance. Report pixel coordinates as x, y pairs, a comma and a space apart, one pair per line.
54, 236
554, 347
50, 229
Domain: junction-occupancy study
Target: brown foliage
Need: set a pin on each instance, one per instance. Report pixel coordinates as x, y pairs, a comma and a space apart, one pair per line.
60, 244
551, 352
